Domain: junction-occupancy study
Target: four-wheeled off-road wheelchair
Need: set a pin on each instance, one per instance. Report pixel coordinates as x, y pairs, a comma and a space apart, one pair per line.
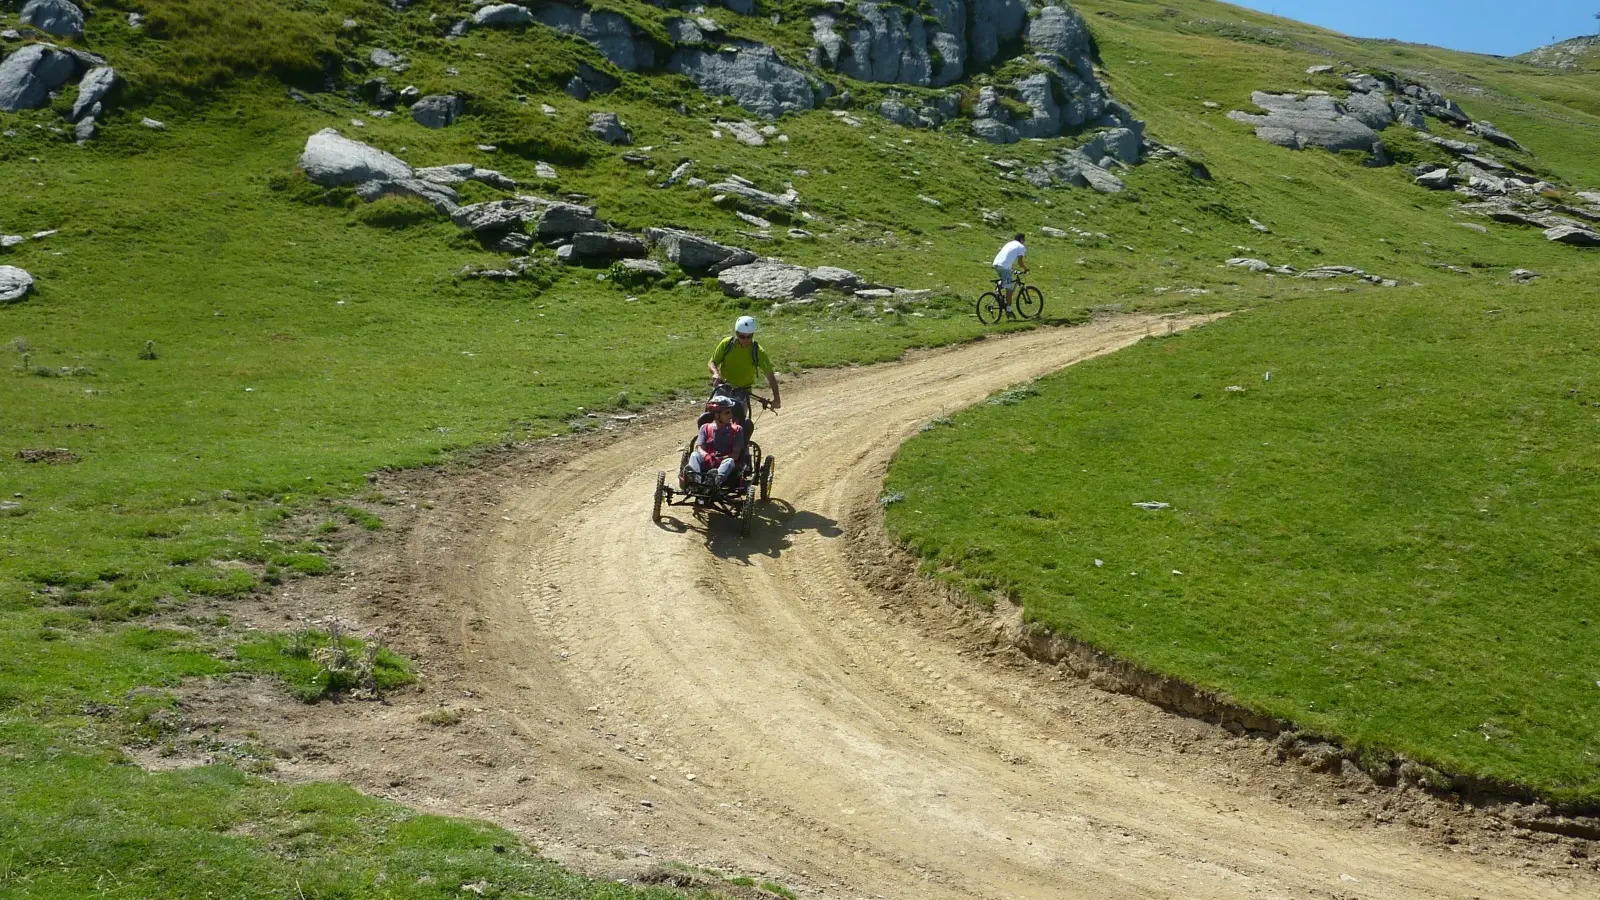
750, 481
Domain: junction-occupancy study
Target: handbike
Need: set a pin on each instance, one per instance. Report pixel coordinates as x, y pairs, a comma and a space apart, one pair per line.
751, 480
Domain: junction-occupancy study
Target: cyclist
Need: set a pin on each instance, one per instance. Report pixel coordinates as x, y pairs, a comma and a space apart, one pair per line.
734, 364
720, 442
1012, 256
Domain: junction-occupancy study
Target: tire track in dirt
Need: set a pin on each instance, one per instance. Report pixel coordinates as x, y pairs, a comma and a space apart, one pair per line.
780, 716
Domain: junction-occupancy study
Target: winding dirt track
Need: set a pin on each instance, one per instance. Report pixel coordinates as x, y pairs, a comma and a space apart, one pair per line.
757, 705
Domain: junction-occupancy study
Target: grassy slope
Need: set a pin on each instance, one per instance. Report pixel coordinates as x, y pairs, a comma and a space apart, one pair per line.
1340, 527
162, 231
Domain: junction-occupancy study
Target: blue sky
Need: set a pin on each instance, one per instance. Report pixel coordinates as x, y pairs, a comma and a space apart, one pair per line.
1479, 26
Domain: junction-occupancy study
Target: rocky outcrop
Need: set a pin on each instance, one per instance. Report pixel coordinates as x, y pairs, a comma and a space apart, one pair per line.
441, 197
437, 110
497, 216
1317, 120
29, 75
741, 193
560, 220
752, 74
461, 173
694, 254
56, 17
1575, 235
611, 33
15, 284
333, 160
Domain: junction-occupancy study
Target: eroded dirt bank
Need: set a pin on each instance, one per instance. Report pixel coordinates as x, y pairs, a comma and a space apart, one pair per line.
791, 705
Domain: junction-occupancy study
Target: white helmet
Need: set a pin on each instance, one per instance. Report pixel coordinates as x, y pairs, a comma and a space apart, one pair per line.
745, 325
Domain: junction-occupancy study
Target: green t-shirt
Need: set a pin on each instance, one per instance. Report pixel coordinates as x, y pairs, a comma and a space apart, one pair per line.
734, 362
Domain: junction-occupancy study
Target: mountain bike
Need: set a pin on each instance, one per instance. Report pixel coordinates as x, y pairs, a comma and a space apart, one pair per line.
1027, 302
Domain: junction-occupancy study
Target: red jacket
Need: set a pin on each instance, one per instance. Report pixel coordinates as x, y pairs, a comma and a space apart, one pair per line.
719, 444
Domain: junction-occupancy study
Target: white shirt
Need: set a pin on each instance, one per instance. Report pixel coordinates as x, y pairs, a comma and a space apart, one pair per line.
1009, 254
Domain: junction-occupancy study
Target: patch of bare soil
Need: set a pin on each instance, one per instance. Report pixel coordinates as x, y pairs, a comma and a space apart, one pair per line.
797, 705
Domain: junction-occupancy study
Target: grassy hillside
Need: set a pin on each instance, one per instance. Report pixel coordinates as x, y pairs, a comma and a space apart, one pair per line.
217, 345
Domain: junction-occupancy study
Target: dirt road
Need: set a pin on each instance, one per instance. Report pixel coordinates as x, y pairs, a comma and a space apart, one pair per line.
636, 693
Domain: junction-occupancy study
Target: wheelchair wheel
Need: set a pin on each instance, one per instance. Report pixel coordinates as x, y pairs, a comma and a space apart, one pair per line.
1030, 302
661, 490
766, 479
747, 514
989, 308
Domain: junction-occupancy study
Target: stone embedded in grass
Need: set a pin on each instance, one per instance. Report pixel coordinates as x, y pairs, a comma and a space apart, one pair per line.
1574, 235
438, 110
766, 280
695, 254
29, 75
333, 160
96, 83
15, 284
608, 127
606, 245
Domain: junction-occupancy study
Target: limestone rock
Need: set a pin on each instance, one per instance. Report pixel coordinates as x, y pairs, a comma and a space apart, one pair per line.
1060, 30
96, 83
1371, 108
612, 34
744, 133
29, 75
766, 280
992, 24
85, 131
606, 245
565, 219
331, 159
1254, 265
495, 216
745, 194
503, 15
1493, 135
836, 278
1315, 121
608, 127
752, 74
1438, 180
441, 197
438, 110
15, 284
1574, 235
695, 254
386, 59
646, 267
58, 17
898, 113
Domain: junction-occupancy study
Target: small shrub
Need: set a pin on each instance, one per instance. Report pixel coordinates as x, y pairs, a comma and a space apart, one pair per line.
149, 351
441, 718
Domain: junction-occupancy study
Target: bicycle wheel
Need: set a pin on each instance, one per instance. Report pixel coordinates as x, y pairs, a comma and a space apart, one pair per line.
747, 512
766, 479
989, 308
1030, 303
661, 488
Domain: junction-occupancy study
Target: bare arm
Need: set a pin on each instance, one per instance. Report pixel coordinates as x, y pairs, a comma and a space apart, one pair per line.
772, 382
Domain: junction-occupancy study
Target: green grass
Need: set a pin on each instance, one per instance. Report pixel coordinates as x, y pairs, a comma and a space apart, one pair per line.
1387, 541
316, 665
226, 351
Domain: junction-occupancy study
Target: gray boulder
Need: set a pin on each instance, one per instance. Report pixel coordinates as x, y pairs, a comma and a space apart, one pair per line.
1371, 108
460, 173
995, 131
1409, 115
684, 31
695, 254
889, 44
835, 278
766, 280
1036, 91
58, 17
744, 133
898, 113
1254, 265
96, 83
1316, 121
606, 245
29, 75
438, 110
331, 159
15, 284
576, 88
1082, 170
608, 127
503, 15
85, 131
1568, 234
386, 59
612, 34
1363, 83
1438, 180
752, 74
1121, 144
565, 219
646, 267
